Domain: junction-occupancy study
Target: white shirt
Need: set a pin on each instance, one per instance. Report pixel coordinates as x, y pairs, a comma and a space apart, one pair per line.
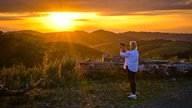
131, 59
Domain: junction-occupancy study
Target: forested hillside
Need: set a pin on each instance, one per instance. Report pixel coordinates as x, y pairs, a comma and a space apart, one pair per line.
29, 47
30, 50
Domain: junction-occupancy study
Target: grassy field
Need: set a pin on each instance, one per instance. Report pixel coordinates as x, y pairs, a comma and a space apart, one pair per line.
94, 94
67, 85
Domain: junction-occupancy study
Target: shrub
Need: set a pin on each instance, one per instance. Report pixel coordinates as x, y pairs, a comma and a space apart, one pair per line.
55, 73
18, 76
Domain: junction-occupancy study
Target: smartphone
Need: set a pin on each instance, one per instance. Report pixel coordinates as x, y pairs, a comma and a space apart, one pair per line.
122, 44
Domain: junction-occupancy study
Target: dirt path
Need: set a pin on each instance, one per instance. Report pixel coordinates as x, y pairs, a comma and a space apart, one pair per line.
177, 98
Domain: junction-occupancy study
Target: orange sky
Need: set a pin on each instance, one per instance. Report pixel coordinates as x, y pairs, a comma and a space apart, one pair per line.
117, 16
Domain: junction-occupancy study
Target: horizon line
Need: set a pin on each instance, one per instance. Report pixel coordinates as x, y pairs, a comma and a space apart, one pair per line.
5, 31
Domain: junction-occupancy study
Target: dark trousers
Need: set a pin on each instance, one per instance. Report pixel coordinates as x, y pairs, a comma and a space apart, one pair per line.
131, 78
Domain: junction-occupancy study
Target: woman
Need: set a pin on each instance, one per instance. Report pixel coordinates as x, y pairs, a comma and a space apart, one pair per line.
131, 65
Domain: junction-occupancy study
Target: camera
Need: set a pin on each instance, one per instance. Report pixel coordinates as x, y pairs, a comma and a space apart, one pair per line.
122, 44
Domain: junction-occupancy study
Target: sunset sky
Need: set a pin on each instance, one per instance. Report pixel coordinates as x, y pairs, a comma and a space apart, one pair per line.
89, 15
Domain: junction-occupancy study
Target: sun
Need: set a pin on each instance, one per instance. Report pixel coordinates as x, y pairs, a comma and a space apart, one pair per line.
60, 19
63, 20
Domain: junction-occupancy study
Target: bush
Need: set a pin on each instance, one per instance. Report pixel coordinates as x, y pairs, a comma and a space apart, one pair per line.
18, 76
55, 73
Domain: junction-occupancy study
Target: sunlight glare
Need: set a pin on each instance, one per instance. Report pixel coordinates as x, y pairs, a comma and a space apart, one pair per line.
68, 21
63, 19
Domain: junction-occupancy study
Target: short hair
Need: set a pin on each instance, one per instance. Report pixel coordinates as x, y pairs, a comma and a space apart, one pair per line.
133, 45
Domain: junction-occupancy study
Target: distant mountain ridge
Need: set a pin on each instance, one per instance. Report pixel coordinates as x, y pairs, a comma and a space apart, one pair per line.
108, 35
158, 35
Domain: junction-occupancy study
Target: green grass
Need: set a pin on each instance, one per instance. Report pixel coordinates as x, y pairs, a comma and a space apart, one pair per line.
96, 94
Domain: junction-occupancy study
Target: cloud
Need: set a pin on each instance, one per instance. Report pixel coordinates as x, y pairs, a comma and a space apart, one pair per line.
35, 14
4, 29
84, 20
189, 2
104, 6
20, 16
146, 13
9, 18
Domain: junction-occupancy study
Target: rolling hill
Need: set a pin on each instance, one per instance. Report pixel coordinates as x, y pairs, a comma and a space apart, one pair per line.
101, 36
108, 42
29, 47
17, 49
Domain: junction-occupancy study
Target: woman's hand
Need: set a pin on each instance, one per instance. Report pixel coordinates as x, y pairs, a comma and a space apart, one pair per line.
122, 49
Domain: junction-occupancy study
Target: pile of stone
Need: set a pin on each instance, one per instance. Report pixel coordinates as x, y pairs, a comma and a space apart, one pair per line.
166, 68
